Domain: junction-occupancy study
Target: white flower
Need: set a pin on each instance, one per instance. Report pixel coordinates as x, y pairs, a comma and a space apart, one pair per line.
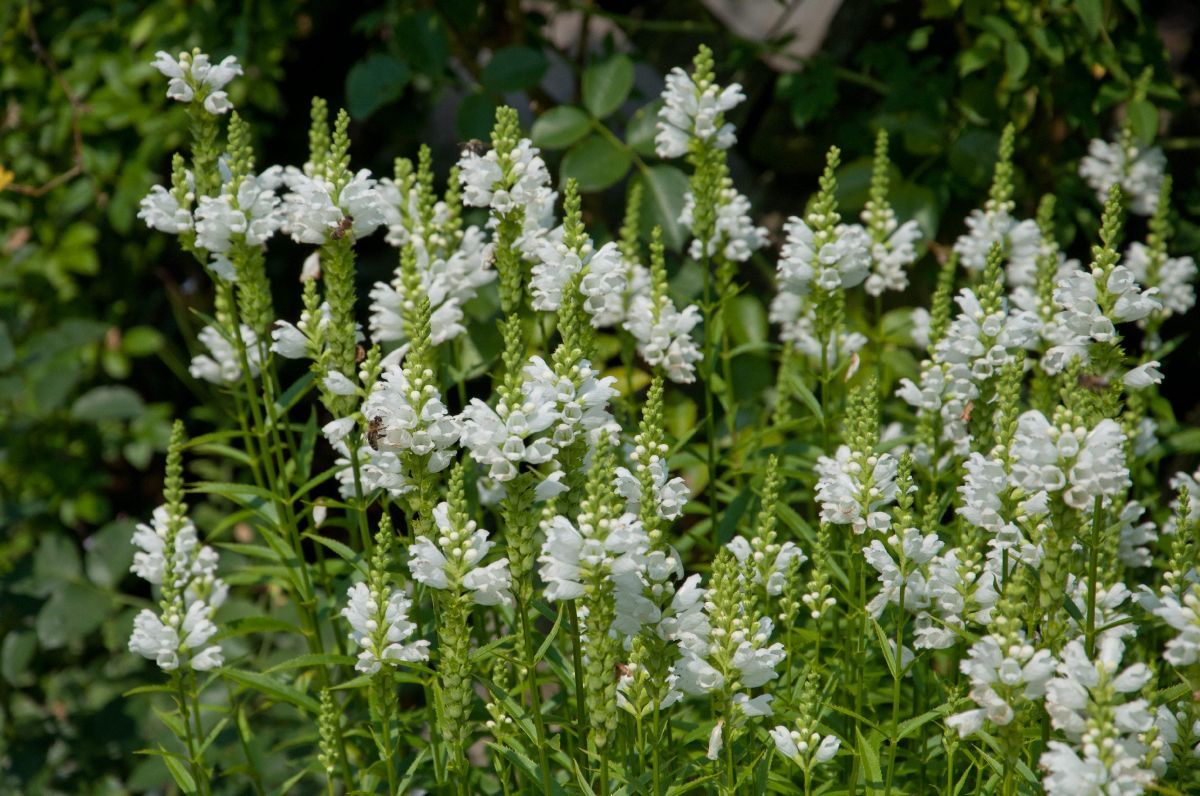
451, 560
194, 75
1085, 464
1184, 616
890, 258
853, 487
1139, 173
312, 214
161, 211
251, 213
670, 496
1173, 278
915, 551
186, 625
664, 336
1021, 242
691, 111
1003, 672
526, 189
602, 285
379, 625
771, 563
804, 746
735, 237
412, 420
1131, 547
1143, 375
223, 363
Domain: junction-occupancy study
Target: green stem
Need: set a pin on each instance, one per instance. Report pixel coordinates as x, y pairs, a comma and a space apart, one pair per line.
1093, 567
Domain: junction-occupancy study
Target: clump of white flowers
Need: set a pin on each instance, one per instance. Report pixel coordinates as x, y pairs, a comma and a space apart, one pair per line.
694, 109
1136, 171
195, 78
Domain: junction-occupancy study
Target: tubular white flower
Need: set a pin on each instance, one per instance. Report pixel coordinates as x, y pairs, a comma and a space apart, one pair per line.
853, 487
1182, 614
735, 236
664, 336
1084, 464
193, 76
891, 258
161, 211
690, 111
379, 625
1139, 173
411, 420
1003, 672
223, 364
452, 561
1020, 240
914, 552
525, 189
1173, 278
312, 214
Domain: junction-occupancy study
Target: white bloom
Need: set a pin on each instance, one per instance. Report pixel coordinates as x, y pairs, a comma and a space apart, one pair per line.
451, 560
1173, 278
670, 495
223, 363
1139, 173
735, 237
1143, 375
1021, 242
770, 563
1002, 672
664, 336
1084, 464
379, 625
914, 552
691, 111
891, 258
526, 190
853, 488
411, 420
804, 746
195, 75
1184, 616
311, 213
161, 211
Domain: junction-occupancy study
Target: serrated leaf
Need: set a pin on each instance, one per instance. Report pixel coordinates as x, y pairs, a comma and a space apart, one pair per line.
869, 756
560, 127
595, 163
312, 660
607, 84
374, 82
514, 69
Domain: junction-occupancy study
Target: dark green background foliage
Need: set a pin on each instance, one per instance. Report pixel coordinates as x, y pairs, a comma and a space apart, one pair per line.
96, 312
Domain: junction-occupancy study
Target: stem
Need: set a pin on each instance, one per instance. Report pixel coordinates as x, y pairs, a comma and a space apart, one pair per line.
898, 657
1093, 566
577, 662
189, 740
535, 696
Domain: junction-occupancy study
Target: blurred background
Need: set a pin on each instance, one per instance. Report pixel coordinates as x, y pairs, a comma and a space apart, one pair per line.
95, 310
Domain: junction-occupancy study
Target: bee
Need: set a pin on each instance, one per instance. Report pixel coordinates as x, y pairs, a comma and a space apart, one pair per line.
360, 354
1090, 381
489, 256
475, 147
621, 670
966, 412
342, 228
375, 431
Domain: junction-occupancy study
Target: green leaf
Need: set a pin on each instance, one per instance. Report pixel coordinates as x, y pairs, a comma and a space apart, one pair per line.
15, 654
607, 84
1016, 60
560, 127
514, 69
109, 553
1091, 13
341, 549
245, 625
141, 341
476, 113
273, 688
113, 402
56, 559
312, 660
663, 188
642, 127
868, 753
183, 777
73, 611
7, 353
595, 163
1143, 119
374, 82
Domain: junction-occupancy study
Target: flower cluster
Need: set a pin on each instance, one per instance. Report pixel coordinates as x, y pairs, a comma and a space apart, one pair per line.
195, 78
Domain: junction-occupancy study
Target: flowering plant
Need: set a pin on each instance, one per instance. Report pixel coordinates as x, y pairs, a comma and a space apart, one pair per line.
516, 575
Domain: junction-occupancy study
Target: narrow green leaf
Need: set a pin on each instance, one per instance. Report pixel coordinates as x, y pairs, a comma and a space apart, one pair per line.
179, 772
868, 754
272, 688
312, 660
